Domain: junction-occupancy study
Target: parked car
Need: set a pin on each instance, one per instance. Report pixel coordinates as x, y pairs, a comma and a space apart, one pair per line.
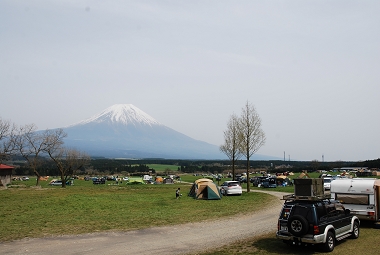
231, 188
327, 183
99, 180
242, 179
25, 178
125, 178
269, 182
257, 180
110, 178
316, 221
55, 183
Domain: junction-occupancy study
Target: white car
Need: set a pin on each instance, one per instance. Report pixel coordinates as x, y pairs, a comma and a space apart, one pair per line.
55, 182
327, 183
231, 188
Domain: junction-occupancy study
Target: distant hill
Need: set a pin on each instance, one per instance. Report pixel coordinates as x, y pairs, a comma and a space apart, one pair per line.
124, 131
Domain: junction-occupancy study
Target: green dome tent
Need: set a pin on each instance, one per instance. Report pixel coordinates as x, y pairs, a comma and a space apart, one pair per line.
205, 189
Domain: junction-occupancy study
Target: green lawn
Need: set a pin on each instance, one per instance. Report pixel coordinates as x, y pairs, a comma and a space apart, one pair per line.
28, 211
84, 208
162, 168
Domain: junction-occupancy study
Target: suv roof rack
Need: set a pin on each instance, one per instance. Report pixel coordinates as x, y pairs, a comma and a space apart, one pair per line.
293, 197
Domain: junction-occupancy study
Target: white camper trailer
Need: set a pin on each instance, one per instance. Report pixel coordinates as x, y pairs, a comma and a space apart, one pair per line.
360, 195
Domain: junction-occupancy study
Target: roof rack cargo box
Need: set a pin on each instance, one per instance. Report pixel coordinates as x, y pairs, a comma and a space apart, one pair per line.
311, 187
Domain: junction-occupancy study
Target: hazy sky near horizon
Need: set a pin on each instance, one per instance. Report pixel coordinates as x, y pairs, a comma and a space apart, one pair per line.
311, 68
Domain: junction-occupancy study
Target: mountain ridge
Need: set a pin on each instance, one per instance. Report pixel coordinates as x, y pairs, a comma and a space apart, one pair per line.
121, 113
125, 131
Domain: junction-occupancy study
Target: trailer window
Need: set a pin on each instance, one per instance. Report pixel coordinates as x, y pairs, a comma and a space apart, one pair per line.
352, 199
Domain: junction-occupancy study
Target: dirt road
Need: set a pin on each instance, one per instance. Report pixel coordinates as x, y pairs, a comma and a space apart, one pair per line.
178, 239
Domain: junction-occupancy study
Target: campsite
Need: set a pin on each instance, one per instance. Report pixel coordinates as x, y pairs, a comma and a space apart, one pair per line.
87, 208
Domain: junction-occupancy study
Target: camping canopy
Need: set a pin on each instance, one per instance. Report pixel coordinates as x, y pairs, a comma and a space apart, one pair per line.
205, 189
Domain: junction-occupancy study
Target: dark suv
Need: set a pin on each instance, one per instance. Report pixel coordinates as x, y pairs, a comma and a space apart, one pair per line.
316, 221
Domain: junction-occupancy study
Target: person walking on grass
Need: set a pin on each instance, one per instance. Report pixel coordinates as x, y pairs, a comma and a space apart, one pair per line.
177, 193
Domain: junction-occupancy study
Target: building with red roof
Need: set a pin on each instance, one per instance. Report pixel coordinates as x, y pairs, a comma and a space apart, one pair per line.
5, 174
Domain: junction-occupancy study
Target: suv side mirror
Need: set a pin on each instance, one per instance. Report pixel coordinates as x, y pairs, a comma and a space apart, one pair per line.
347, 211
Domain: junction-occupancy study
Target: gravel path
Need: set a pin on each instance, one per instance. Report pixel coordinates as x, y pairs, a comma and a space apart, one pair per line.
178, 239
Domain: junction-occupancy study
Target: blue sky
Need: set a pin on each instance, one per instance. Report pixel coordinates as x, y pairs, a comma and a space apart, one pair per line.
311, 68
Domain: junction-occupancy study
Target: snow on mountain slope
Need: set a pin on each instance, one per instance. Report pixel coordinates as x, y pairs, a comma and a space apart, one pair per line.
124, 130
126, 114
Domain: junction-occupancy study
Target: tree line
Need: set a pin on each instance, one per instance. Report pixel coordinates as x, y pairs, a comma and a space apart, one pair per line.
37, 146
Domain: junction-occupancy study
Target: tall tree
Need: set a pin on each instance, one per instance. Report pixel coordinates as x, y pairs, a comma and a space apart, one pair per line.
7, 139
32, 145
232, 142
253, 137
68, 161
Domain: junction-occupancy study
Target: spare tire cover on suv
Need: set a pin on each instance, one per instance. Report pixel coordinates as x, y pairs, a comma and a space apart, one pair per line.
297, 225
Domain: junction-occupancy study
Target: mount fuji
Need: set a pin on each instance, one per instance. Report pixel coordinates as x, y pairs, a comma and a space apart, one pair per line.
125, 131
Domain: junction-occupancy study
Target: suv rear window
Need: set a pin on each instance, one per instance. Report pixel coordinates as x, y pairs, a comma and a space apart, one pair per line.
233, 184
304, 210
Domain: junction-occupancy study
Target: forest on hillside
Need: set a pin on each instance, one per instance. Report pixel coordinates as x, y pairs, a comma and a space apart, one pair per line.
117, 166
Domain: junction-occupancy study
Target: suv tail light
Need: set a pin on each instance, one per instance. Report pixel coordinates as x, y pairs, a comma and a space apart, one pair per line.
315, 230
371, 213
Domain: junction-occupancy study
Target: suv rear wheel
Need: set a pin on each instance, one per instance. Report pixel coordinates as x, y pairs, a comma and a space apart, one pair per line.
330, 242
355, 230
297, 225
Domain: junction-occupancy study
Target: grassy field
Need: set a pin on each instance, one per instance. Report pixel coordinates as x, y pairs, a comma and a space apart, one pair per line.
84, 208
162, 168
27, 211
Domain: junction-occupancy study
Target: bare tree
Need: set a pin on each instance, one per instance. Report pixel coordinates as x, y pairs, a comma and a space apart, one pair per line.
232, 142
32, 145
253, 137
7, 139
68, 161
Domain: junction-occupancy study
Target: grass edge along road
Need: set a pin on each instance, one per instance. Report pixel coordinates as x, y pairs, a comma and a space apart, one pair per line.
87, 208
267, 244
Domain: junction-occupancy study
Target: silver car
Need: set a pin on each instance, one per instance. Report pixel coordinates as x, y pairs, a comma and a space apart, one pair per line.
231, 188
327, 183
56, 183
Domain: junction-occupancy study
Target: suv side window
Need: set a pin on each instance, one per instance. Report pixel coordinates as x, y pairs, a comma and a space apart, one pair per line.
321, 211
340, 209
334, 210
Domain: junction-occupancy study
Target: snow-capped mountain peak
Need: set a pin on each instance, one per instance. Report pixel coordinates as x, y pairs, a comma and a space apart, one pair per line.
123, 114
